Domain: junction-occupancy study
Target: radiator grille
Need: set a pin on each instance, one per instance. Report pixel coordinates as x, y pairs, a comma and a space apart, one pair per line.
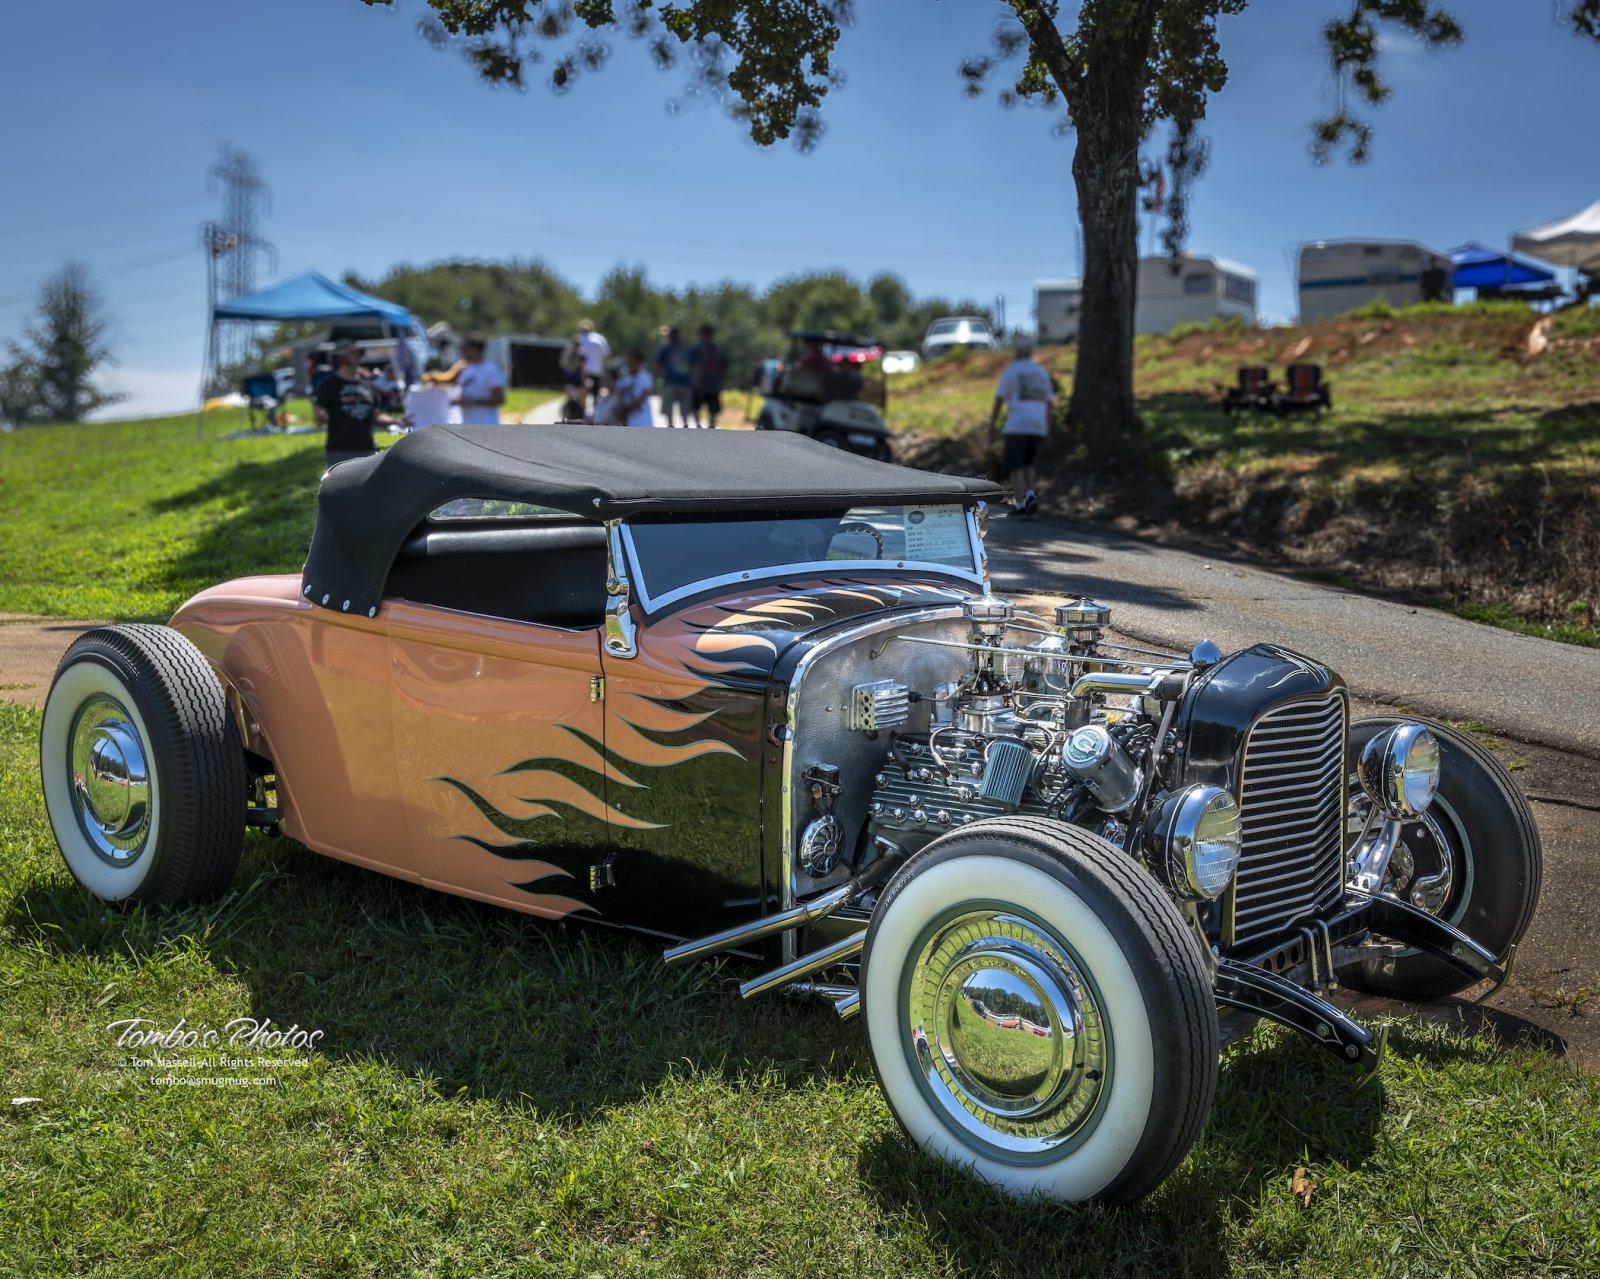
1292, 799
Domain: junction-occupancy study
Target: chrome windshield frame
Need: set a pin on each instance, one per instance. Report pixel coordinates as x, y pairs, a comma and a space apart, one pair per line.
975, 576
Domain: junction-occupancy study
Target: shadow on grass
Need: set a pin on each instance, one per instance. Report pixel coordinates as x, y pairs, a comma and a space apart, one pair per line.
488, 1003
1277, 1106
1356, 435
257, 518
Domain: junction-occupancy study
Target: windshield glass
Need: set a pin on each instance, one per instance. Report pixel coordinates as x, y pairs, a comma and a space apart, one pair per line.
674, 555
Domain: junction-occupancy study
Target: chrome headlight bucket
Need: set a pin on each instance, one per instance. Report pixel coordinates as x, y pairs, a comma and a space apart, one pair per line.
1399, 770
1197, 840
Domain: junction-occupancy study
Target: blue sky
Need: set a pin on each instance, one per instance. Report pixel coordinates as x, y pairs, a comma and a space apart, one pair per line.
380, 149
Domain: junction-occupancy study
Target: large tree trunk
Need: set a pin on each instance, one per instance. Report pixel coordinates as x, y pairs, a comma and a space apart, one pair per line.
1108, 115
1102, 405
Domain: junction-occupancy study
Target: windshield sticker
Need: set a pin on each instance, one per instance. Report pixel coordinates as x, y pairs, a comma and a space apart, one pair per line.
936, 533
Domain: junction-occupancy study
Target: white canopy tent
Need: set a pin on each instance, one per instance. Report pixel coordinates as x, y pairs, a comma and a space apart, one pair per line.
1570, 241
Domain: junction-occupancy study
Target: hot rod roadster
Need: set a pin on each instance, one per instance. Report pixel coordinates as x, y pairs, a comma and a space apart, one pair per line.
753, 695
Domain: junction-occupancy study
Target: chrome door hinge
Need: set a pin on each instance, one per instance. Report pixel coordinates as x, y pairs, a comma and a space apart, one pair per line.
597, 688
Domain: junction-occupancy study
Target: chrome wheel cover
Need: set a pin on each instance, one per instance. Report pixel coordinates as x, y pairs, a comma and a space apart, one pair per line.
110, 781
1006, 1033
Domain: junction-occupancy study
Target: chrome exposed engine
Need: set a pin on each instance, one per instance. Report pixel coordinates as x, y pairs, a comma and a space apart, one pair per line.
1002, 714
1027, 730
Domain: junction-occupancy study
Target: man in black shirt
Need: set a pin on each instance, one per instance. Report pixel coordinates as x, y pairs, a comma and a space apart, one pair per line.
348, 407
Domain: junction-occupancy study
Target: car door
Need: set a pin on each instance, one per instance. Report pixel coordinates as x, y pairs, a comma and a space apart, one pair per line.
499, 733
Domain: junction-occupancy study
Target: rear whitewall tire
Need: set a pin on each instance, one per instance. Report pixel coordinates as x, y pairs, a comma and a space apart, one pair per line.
137, 722
1149, 994
76, 687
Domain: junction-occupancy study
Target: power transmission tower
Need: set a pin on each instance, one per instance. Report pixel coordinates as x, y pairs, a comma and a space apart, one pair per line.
232, 245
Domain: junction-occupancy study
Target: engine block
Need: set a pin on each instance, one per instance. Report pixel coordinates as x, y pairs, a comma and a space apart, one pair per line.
914, 801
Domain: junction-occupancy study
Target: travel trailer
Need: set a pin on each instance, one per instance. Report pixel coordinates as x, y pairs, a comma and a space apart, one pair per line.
1337, 275
1055, 310
1200, 289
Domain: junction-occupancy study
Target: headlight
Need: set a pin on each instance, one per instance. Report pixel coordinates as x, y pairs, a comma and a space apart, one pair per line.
1399, 770
1198, 839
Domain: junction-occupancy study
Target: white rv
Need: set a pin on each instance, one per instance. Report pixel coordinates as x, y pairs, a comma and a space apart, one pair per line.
1200, 289
1335, 276
1056, 304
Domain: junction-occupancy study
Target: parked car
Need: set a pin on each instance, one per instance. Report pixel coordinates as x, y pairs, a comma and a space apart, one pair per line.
744, 690
952, 331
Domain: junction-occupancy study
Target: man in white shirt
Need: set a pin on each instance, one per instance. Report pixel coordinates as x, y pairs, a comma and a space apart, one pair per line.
596, 354
1027, 393
480, 386
633, 393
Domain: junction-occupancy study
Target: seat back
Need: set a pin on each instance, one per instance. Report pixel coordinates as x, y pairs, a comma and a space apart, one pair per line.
1304, 380
550, 572
260, 386
1252, 379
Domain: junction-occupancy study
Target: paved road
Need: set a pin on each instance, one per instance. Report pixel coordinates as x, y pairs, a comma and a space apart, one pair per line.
1530, 689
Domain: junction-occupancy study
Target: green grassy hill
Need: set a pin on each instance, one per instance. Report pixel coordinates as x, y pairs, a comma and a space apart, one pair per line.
126, 520
1461, 463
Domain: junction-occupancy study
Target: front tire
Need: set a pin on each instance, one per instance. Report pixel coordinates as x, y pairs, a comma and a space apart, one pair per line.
142, 768
1480, 832
1038, 1011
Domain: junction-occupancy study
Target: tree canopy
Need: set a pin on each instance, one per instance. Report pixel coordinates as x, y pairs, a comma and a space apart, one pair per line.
1113, 69
51, 377
529, 297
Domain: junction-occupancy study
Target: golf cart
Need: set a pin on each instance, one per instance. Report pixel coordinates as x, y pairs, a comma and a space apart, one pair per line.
831, 387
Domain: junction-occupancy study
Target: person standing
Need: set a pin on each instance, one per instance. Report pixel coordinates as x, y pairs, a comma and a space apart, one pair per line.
676, 376
708, 368
347, 405
596, 353
1027, 394
480, 386
633, 393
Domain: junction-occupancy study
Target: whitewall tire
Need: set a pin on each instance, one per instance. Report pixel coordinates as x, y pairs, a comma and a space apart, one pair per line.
1038, 1012
142, 768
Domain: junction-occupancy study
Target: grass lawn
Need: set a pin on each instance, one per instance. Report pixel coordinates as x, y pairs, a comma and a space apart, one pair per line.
494, 1095
490, 1094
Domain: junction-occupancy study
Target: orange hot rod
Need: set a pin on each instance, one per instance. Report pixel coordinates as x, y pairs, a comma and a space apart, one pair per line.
752, 694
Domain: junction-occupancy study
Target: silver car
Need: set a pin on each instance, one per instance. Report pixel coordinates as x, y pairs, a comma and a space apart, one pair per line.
951, 331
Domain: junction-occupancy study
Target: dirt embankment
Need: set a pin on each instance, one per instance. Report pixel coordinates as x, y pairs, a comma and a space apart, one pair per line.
1462, 460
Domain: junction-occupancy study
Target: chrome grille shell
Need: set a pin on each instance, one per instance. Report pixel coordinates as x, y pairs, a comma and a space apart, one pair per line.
1292, 781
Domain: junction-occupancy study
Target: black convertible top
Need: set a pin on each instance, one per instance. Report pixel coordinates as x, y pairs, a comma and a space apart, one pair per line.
367, 507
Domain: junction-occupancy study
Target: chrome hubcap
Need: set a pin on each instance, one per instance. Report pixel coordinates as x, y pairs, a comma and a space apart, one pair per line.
1007, 1033
110, 781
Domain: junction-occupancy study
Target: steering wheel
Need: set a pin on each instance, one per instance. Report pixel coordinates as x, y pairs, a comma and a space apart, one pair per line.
861, 526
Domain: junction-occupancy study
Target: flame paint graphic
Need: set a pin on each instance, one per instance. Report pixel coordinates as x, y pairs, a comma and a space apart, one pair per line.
705, 648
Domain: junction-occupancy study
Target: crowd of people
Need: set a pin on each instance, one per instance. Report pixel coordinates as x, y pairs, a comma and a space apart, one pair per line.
349, 401
688, 379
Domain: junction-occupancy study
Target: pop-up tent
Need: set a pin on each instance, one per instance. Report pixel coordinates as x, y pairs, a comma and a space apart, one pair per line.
314, 297
1570, 241
1476, 266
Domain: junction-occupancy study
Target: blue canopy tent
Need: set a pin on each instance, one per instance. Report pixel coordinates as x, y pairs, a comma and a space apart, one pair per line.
312, 296
1479, 267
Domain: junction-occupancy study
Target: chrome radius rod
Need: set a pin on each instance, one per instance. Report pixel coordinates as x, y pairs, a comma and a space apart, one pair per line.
807, 912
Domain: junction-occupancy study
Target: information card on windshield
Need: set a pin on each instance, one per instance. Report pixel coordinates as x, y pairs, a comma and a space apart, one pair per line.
937, 534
